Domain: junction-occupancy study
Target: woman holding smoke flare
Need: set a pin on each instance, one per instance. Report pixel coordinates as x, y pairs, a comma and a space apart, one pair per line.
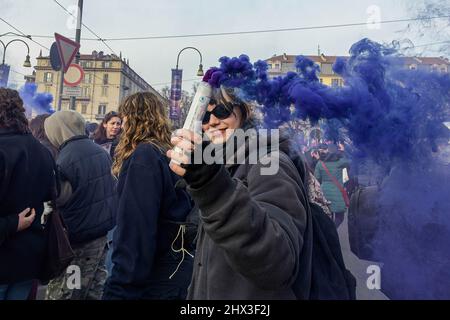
251, 226
150, 258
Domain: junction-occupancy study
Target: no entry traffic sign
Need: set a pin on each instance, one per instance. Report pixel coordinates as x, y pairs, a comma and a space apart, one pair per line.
74, 75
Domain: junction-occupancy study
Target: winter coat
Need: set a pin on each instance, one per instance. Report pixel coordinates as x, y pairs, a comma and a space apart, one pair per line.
251, 232
26, 179
109, 145
149, 208
335, 164
90, 204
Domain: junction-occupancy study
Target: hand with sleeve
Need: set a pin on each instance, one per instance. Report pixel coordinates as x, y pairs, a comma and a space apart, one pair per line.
195, 174
11, 224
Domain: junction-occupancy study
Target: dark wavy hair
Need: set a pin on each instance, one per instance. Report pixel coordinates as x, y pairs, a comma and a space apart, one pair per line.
12, 112
100, 132
37, 127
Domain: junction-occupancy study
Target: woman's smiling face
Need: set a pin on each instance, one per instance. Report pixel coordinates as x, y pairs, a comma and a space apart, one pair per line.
220, 130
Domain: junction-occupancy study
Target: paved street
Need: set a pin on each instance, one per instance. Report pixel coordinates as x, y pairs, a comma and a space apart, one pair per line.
358, 267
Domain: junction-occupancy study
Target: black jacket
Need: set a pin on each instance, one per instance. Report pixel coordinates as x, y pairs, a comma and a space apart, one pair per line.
26, 178
252, 232
90, 210
108, 144
142, 257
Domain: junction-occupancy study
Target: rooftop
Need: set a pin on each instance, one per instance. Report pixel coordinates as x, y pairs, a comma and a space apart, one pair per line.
332, 59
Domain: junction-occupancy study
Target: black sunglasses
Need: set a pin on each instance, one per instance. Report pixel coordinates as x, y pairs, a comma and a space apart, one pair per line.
221, 111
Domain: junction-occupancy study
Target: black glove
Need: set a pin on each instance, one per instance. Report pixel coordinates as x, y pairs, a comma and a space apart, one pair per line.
197, 175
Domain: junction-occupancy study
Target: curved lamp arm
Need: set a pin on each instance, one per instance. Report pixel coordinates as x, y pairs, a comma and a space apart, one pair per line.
200, 70
178, 57
6, 46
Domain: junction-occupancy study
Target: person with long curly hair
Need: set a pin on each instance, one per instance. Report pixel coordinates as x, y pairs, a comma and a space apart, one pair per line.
26, 182
151, 259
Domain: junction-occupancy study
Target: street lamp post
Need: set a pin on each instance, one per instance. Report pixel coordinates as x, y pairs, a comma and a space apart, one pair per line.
175, 90
4, 69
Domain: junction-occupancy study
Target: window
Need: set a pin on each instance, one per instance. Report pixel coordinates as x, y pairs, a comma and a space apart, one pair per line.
105, 78
84, 108
102, 109
277, 66
48, 77
106, 64
86, 91
104, 91
326, 68
335, 82
87, 78
86, 64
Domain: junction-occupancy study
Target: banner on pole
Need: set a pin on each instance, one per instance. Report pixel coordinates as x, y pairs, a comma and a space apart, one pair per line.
4, 75
175, 93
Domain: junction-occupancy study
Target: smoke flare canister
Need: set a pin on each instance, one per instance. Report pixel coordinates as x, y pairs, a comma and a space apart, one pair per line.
197, 110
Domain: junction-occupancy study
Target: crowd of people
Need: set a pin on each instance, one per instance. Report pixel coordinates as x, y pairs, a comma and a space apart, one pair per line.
143, 220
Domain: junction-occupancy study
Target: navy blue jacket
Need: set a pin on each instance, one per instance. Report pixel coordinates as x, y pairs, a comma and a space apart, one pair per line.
26, 179
142, 256
90, 211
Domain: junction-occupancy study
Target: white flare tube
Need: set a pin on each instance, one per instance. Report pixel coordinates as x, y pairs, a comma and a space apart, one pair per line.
198, 107
197, 110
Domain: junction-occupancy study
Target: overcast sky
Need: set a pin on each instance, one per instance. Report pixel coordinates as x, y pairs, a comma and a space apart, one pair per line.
153, 59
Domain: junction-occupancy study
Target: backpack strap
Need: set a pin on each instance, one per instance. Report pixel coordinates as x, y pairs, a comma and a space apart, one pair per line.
337, 184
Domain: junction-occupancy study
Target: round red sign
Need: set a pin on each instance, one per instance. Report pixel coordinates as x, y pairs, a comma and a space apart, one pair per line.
74, 75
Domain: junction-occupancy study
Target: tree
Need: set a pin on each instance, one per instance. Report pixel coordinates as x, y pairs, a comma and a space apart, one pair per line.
186, 100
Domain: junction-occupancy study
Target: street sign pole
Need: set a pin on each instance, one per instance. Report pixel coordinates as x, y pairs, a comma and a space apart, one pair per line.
67, 50
78, 40
61, 89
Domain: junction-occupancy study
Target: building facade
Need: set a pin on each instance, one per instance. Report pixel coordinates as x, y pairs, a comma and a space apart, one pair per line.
107, 80
281, 64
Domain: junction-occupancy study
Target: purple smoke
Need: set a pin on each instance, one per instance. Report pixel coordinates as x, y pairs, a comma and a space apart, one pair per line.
39, 102
393, 117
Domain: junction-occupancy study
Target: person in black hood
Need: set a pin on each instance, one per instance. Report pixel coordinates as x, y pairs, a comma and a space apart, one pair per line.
26, 182
252, 241
107, 133
87, 202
